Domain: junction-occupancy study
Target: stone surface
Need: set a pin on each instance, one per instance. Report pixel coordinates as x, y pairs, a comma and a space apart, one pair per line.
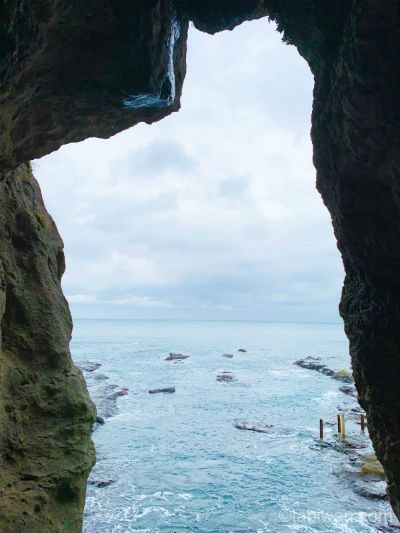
166, 390
176, 357
226, 377
46, 416
72, 69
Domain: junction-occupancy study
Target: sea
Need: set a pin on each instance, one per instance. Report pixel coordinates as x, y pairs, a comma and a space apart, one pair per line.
179, 462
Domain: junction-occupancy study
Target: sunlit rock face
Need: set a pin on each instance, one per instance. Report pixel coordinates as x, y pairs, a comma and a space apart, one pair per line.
70, 70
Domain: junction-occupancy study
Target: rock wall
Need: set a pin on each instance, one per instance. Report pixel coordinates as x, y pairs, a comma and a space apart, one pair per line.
69, 70
46, 452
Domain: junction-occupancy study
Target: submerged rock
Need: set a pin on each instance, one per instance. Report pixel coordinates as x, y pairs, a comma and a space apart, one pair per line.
344, 375
244, 427
100, 483
167, 389
226, 377
228, 355
313, 363
88, 366
176, 357
350, 391
369, 480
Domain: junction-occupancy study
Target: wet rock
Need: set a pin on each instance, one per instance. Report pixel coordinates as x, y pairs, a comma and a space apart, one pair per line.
176, 357
105, 397
89, 366
167, 390
242, 350
100, 377
371, 467
372, 490
245, 427
313, 363
226, 377
101, 483
122, 392
228, 355
350, 391
100, 420
343, 375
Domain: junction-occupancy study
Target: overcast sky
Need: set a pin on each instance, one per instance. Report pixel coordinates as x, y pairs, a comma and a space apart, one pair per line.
211, 213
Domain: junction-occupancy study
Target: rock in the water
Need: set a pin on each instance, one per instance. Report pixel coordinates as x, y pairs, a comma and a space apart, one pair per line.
101, 483
343, 375
313, 363
176, 357
350, 391
99, 420
228, 355
226, 377
167, 389
373, 490
245, 427
242, 350
89, 366
100, 377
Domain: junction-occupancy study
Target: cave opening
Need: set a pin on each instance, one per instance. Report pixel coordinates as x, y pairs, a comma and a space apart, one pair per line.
211, 214
229, 426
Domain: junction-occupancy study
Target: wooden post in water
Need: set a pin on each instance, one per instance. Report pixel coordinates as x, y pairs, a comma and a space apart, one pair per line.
338, 424
362, 422
342, 426
321, 429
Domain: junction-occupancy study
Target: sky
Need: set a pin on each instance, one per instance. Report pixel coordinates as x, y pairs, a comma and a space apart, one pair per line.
211, 213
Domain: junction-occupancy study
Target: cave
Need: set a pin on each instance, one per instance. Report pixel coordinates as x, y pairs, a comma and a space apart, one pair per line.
72, 70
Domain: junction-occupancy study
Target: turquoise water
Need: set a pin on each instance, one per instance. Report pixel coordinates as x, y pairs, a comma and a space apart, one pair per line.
177, 461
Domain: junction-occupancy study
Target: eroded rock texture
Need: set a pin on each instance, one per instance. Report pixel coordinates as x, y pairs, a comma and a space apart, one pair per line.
70, 70
73, 69
45, 415
353, 50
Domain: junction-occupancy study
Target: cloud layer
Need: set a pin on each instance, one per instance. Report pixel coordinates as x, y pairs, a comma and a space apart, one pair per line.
211, 213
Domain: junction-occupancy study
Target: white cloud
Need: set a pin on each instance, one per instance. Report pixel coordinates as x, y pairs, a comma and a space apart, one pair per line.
213, 211
81, 298
141, 301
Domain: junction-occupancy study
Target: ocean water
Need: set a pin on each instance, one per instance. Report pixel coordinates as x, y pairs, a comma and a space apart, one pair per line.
178, 463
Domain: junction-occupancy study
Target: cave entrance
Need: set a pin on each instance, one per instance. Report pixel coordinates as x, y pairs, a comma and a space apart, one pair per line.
209, 215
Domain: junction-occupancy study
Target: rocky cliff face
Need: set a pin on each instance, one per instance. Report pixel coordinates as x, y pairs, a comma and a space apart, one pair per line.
69, 70
45, 415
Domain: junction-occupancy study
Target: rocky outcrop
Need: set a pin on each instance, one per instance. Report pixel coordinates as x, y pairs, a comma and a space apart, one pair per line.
45, 414
70, 70
176, 357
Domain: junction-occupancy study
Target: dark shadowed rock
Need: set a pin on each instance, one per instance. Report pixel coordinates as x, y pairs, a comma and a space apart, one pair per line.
350, 391
228, 355
344, 376
101, 483
226, 377
167, 390
89, 366
176, 357
242, 350
313, 363
245, 427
